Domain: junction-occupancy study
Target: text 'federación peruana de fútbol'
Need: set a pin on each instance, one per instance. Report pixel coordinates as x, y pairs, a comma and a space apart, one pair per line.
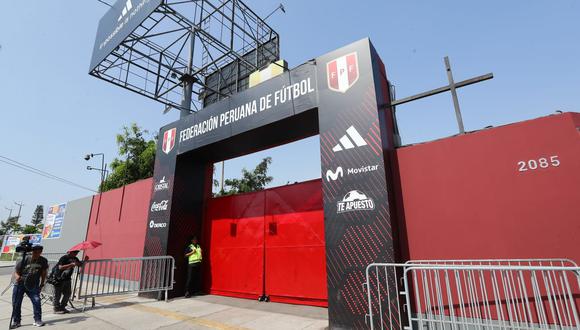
263, 103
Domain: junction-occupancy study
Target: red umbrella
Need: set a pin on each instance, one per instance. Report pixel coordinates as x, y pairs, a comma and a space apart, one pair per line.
86, 245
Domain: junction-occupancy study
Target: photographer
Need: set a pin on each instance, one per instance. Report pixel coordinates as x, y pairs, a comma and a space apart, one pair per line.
30, 274
64, 271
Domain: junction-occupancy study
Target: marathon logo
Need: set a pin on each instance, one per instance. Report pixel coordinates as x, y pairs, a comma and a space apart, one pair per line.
153, 224
161, 206
355, 201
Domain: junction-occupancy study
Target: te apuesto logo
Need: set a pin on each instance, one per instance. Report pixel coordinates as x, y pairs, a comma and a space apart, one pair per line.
168, 140
355, 200
342, 72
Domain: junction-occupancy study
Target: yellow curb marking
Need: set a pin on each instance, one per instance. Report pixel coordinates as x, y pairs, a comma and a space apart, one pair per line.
183, 317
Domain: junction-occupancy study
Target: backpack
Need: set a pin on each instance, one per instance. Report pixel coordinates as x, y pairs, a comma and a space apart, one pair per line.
54, 277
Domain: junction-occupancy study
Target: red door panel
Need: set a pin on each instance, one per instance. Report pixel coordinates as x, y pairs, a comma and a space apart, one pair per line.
295, 247
236, 246
268, 242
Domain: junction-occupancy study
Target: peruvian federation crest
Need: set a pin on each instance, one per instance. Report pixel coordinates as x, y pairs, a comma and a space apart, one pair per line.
342, 73
169, 140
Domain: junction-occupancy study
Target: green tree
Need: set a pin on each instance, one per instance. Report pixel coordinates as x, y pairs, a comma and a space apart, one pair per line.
30, 229
10, 226
139, 158
37, 218
250, 181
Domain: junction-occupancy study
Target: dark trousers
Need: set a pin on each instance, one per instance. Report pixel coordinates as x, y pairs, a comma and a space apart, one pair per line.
193, 284
62, 293
18, 296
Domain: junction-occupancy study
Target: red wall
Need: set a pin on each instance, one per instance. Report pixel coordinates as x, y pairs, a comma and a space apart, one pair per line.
121, 221
464, 197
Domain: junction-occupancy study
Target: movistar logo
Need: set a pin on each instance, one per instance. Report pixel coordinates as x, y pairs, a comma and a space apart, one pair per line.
330, 175
128, 6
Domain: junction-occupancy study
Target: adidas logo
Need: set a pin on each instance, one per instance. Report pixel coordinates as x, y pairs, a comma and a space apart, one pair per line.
128, 6
355, 140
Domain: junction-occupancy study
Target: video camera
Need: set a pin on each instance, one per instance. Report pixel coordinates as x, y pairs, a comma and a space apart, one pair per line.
24, 246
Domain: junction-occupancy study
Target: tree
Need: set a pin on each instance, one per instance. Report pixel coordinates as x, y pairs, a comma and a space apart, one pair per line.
10, 226
139, 154
37, 218
250, 181
31, 229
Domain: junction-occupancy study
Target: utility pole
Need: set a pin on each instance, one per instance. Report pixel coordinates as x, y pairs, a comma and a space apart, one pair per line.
9, 209
19, 209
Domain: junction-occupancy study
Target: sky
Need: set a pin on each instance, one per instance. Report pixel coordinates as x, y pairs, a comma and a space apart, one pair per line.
52, 112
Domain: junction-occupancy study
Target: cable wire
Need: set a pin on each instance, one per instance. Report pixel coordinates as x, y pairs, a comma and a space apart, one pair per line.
101, 1
45, 174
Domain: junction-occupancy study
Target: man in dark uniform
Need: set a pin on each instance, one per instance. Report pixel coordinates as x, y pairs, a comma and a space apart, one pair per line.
193, 255
66, 265
29, 275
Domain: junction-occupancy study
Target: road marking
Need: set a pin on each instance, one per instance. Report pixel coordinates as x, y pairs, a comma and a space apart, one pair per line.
184, 317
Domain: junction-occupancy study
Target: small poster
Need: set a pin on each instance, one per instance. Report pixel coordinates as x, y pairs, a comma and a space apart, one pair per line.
12, 241
54, 221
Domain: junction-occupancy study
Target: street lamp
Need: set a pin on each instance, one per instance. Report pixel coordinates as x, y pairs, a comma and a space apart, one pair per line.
103, 171
103, 168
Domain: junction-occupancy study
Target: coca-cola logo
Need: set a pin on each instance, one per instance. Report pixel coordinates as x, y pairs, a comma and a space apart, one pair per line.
159, 206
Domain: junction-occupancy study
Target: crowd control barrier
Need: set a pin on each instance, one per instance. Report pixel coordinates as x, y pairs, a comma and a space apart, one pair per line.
474, 294
108, 277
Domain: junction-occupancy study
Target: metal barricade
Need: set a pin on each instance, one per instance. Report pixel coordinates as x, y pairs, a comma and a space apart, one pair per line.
498, 262
108, 277
492, 297
466, 294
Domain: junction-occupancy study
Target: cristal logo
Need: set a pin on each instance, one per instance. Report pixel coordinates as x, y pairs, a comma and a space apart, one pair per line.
128, 6
153, 224
161, 185
161, 206
355, 200
339, 173
351, 139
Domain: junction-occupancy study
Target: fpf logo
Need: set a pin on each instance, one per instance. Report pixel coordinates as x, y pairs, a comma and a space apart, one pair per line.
342, 73
168, 140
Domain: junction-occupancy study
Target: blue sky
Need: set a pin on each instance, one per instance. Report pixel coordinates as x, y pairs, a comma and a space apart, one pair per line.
52, 112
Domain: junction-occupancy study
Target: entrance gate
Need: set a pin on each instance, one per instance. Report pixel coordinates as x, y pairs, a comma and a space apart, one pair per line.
267, 243
342, 96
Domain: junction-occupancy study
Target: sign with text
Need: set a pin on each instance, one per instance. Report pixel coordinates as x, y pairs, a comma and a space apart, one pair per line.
54, 221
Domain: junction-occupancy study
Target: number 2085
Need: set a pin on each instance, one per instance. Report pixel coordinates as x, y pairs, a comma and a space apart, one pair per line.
534, 164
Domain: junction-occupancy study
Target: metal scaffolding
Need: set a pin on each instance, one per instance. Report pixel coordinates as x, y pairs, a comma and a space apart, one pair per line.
204, 48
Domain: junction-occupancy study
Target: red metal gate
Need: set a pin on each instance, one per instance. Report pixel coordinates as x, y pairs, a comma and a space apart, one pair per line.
269, 242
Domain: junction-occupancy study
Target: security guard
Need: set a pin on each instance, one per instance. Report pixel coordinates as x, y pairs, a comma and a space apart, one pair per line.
193, 255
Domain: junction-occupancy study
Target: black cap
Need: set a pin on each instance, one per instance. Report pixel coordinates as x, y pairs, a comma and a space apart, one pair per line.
37, 247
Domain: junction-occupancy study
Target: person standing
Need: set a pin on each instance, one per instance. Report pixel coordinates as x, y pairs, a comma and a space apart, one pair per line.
62, 290
193, 255
29, 274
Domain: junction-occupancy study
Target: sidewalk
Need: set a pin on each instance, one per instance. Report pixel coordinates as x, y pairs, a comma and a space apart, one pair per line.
4, 264
203, 312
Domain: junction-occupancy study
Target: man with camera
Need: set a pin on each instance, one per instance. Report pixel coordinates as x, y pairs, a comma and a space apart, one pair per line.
62, 287
30, 274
